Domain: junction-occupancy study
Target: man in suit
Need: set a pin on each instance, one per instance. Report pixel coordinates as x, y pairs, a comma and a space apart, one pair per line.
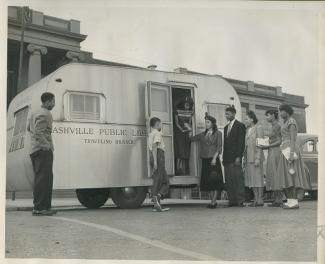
234, 146
40, 129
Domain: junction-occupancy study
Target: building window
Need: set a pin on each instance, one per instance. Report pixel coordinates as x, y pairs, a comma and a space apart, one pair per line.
19, 129
218, 112
244, 109
85, 107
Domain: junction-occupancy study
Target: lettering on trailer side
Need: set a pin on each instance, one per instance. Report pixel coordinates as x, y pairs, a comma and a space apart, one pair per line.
102, 135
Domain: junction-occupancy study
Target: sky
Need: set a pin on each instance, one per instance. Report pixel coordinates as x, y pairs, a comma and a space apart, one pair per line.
273, 44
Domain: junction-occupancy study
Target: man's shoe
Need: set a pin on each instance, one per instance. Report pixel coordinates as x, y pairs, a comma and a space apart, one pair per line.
241, 205
274, 205
43, 212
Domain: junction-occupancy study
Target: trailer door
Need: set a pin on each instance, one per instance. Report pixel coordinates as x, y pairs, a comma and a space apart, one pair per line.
159, 104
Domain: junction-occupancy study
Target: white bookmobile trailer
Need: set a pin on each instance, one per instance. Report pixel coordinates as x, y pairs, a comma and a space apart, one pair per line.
100, 128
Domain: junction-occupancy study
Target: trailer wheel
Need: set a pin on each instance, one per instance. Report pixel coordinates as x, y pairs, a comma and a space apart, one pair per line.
129, 197
92, 198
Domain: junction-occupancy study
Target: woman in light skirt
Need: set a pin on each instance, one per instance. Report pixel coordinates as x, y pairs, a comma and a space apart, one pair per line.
273, 182
291, 166
253, 159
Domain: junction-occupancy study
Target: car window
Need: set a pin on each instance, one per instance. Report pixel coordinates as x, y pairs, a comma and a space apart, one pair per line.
309, 146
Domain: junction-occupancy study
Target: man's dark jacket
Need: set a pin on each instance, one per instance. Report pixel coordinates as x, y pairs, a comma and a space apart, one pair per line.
234, 143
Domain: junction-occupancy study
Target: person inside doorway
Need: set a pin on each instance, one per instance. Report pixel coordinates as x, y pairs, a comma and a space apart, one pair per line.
183, 126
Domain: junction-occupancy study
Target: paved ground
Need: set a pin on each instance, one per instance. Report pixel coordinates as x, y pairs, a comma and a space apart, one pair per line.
189, 231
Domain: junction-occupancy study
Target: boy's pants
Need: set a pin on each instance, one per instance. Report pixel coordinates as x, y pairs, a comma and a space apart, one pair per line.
160, 178
43, 182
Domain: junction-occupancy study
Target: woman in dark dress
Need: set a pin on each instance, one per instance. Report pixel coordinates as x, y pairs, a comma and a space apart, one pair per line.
182, 144
210, 150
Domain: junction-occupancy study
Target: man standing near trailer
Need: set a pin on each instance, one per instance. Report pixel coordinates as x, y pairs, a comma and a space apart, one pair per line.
234, 146
40, 129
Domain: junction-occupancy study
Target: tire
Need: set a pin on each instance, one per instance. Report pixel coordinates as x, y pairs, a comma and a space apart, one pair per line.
314, 194
128, 198
92, 198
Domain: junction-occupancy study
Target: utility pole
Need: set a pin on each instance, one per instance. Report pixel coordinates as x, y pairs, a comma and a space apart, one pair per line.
25, 18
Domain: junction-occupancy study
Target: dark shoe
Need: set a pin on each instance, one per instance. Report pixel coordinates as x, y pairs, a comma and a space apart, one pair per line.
241, 205
252, 204
260, 204
274, 205
212, 206
43, 212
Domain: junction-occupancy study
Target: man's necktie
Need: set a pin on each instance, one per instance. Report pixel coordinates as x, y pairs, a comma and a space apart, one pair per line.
228, 130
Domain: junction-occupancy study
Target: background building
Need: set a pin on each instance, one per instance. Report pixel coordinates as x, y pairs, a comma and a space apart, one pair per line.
47, 43
260, 97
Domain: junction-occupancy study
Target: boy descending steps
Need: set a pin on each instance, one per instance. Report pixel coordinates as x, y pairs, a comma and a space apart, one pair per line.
156, 146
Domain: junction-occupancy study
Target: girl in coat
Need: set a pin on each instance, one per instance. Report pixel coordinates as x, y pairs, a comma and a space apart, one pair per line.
210, 149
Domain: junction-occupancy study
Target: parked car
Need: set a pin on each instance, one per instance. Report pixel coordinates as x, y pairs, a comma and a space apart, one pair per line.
309, 150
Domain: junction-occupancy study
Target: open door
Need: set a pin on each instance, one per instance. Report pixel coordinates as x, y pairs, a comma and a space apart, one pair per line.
159, 104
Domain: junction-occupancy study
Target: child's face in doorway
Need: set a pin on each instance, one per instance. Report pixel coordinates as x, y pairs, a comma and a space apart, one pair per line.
187, 106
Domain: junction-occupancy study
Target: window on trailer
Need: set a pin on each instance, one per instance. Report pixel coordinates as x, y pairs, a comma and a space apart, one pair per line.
84, 106
218, 112
19, 129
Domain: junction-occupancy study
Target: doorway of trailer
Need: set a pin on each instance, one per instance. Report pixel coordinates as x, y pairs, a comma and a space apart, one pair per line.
164, 101
183, 112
